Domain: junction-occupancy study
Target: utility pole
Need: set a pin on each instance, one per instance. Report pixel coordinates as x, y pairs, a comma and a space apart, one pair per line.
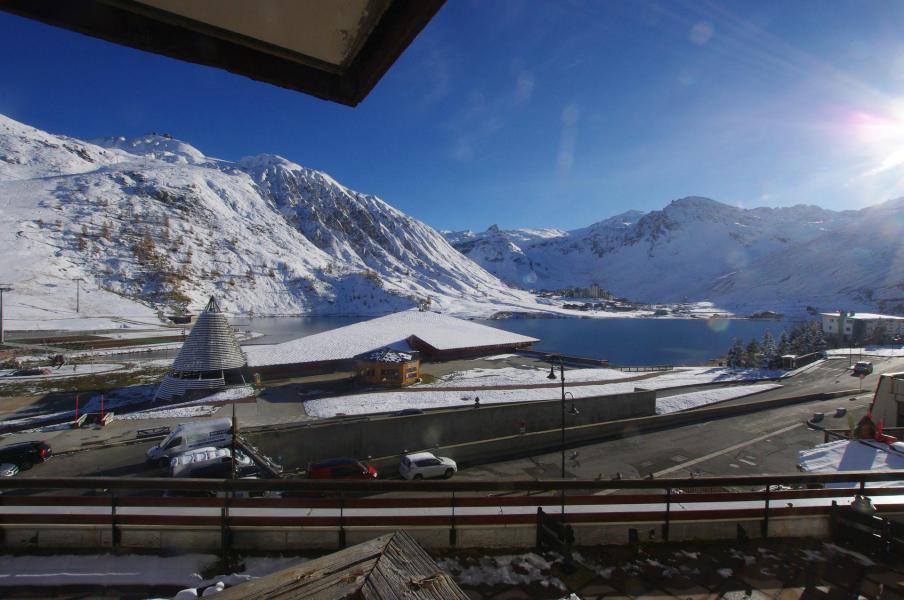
77, 281
3, 288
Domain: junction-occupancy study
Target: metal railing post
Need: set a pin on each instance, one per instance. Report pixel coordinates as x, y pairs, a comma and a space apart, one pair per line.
764, 527
453, 533
225, 541
668, 508
114, 530
341, 520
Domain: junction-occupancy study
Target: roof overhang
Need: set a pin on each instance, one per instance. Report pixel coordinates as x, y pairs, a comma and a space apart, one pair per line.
333, 49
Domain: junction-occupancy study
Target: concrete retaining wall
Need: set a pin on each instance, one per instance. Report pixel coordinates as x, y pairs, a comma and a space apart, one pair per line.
508, 428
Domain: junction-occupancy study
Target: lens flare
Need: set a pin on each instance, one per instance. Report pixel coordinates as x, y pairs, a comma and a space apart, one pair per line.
717, 324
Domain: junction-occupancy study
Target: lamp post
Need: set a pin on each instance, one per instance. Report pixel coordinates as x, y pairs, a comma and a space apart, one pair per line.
3, 288
77, 281
574, 411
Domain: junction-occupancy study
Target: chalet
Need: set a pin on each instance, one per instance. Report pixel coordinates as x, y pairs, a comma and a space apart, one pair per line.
389, 367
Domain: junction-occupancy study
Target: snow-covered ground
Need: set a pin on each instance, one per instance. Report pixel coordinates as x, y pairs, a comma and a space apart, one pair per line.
678, 402
426, 398
528, 375
883, 351
64, 371
114, 570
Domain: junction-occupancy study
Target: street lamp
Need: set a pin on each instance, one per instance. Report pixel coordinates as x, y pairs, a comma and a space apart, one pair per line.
77, 281
3, 288
573, 411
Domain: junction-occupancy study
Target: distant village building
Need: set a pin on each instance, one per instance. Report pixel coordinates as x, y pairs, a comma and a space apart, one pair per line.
388, 367
851, 327
432, 335
209, 360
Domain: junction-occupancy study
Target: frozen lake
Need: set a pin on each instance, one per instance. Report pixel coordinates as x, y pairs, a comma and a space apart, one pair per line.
621, 341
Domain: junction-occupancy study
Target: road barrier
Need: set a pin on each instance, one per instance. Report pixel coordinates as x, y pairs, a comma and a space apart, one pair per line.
131, 513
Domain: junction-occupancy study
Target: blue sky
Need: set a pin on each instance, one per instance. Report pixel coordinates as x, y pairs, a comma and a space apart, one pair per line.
542, 113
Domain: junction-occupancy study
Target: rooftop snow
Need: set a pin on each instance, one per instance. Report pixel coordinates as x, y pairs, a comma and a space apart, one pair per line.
853, 455
865, 315
439, 331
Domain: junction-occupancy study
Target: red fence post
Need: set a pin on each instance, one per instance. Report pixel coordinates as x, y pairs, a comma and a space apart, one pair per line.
76, 408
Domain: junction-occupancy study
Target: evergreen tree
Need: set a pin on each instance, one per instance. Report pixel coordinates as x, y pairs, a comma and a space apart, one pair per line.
752, 355
783, 344
767, 346
735, 353
817, 339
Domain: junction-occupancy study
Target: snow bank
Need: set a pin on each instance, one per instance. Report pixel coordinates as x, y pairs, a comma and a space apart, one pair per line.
884, 351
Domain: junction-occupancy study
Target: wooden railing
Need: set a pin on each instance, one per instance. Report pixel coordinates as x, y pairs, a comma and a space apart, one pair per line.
123, 503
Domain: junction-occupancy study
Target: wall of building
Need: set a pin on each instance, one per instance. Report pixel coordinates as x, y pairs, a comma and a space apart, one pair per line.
294, 446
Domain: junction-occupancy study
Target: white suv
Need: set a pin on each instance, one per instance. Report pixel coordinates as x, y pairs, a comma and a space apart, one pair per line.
424, 464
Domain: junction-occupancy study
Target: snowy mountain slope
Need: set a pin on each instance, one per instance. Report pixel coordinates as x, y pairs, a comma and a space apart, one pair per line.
699, 249
152, 223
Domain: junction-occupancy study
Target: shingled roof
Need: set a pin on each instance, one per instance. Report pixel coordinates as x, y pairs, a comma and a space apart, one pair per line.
392, 566
211, 345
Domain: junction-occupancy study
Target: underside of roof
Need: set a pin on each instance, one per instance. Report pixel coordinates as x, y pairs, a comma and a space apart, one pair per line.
336, 50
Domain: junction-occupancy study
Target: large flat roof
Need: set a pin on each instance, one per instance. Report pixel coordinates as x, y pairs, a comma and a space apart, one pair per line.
336, 50
441, 332
865, 316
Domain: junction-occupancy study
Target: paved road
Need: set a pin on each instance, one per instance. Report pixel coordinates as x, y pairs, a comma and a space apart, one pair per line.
764, 442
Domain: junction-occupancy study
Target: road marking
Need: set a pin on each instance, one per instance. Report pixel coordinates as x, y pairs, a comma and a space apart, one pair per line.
715, 454
726, 450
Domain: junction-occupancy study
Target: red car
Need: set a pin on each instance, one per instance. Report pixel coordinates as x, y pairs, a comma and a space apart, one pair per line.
341, 468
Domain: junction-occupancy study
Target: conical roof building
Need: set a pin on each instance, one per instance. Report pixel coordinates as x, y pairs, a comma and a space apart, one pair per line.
209, 359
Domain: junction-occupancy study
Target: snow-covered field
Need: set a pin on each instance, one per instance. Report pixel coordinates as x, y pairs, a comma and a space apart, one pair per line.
529, 375
59, 372
883, 351
426, 398
671, 404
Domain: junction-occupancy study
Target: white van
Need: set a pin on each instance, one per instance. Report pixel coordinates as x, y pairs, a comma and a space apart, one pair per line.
189, 436
211, 463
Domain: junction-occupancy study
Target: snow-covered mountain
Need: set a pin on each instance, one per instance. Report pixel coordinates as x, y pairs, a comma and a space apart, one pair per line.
699, 249
153, 224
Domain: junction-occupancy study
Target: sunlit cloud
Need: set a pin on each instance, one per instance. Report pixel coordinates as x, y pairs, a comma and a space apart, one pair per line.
524, 87
565, 158
701, 32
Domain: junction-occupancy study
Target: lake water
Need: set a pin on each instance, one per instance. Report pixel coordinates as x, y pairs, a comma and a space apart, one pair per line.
621, 341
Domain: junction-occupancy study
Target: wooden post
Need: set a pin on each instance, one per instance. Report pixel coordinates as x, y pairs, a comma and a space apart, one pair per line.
764, 528
668, 507
76, 410
453, 533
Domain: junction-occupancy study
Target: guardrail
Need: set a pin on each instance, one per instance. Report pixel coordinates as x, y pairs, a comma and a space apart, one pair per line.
126, 512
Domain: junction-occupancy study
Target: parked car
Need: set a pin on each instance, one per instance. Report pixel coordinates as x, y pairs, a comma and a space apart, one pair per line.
8, 470
211, 463
863, 368
407, 412
341, 468
215, 433
422, 465
31, 371
25, 454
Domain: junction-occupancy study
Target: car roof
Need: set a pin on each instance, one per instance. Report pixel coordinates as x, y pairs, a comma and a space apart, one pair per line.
21, 445
332, 462
420, 455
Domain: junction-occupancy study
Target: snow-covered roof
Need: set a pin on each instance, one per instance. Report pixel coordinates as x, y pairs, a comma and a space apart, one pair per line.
387, 355
439, 331
854, 455
866, 316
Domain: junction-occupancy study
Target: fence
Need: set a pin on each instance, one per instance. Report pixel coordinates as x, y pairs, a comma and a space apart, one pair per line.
131, 513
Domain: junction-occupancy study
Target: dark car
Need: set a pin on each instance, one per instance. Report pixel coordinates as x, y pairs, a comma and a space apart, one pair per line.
407, 412
341, 468
25, 454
